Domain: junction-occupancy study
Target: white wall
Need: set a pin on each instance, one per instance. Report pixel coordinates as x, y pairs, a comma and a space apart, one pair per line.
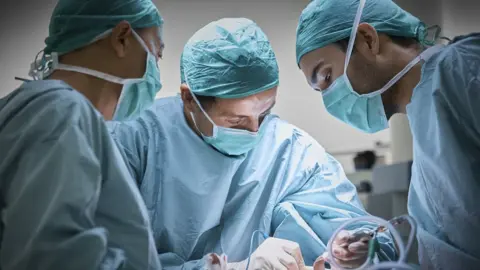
23, 28
460, 17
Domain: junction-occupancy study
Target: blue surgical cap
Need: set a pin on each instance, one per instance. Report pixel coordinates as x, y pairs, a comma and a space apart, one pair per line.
324, 22
76, 23
229, 58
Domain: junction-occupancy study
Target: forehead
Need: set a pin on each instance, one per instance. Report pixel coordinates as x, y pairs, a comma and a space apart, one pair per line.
330, 54
158, 35
154, 35
251, 105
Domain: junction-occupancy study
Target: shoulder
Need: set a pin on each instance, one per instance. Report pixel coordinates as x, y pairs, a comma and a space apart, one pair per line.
47, 95
163, 108
299, 138
46, 107
303, 151
163, 111
460, 59
165, 115
450, 74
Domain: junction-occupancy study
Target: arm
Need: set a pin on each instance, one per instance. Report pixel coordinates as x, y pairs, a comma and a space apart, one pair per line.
171, 261
132, 138
52, 193
311, 214
473, 93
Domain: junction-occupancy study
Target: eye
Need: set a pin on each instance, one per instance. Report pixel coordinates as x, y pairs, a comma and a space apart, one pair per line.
328, 77
235, 121
266, 112
262, 116
326, 80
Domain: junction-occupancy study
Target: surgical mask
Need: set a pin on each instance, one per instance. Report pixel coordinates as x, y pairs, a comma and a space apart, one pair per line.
230, 141
137, 94
364, 112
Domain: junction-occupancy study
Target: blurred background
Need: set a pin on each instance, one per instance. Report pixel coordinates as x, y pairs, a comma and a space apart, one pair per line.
378, 164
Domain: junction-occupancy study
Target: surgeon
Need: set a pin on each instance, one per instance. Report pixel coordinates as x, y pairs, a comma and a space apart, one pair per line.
68, 199
375, 60
220, 173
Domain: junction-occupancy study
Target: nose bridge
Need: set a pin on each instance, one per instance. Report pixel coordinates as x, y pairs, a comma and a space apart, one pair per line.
254, 124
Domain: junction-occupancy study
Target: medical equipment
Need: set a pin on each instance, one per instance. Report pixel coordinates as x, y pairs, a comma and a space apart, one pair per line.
373, 243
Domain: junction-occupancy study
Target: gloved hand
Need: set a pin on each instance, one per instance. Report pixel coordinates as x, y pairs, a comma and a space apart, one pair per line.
319, 264
273, 254
351, 250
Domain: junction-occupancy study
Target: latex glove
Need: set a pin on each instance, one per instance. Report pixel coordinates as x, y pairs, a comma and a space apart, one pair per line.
216, 262
319, 264
351, 250
273, 254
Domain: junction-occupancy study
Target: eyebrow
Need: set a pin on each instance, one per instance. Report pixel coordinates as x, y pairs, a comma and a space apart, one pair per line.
313, 75
246, 116
269, 108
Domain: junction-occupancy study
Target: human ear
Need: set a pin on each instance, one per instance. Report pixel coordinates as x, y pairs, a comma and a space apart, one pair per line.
121, 38
367, 41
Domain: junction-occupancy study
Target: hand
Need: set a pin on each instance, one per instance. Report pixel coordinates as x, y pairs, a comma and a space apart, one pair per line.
319, 264
274, 254
216, 262
351, 250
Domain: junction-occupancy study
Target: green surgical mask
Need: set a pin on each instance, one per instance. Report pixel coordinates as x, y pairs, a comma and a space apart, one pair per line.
230, 141
137, 94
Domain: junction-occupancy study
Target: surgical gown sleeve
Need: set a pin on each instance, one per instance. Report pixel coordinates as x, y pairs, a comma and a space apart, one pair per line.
457, 79
52, 187
132, 139
312, 209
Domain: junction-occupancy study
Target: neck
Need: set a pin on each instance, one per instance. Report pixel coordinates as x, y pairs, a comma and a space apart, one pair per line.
404, 88
400, 96
102, 94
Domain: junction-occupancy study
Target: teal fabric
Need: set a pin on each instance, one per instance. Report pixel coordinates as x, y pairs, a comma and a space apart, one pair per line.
229, 58
444, 116
74, 24
324, 22
287, 186
68, 200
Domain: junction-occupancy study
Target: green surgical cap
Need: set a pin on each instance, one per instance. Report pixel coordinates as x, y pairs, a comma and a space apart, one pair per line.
324, 22
76, 23
229, 58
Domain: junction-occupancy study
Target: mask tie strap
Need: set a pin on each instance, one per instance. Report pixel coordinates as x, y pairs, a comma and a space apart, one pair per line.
353, 34
214, 132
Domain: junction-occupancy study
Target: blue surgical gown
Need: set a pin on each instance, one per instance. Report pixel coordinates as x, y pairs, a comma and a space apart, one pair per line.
444, 116
67, 199
201, 201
